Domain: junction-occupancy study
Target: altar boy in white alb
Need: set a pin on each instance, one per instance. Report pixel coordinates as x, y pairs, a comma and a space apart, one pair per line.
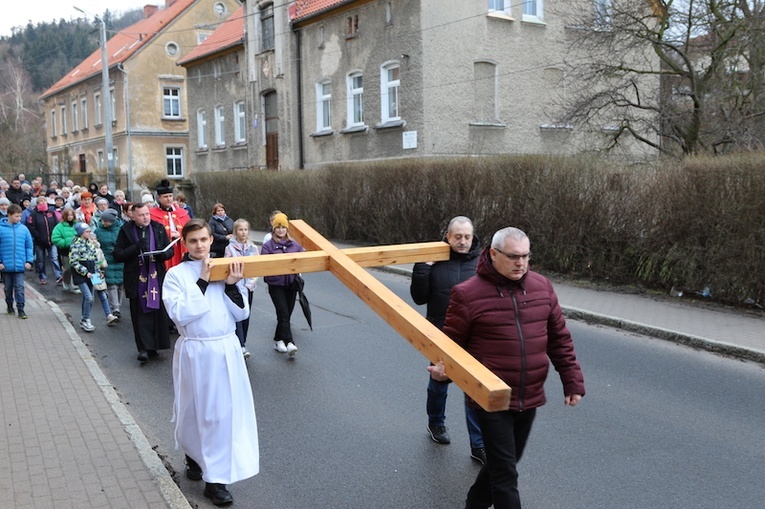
213, 411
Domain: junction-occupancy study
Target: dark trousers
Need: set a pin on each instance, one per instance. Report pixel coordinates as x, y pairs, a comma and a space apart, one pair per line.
435, 406
151, 330
243, 326
283, 298
504, 437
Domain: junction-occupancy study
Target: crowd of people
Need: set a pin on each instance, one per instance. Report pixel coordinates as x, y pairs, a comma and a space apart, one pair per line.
155, 254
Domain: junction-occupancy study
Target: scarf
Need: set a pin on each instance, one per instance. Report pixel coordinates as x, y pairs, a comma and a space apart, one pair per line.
148, 282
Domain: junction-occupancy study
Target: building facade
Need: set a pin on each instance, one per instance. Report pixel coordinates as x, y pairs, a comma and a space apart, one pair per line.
147, 97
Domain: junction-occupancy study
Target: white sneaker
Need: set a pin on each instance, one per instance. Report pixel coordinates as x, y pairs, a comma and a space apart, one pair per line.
291, 349
280, 347
111, 319
245, 353
86, 325
76, 290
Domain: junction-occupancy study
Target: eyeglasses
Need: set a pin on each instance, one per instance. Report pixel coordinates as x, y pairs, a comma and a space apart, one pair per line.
514, 257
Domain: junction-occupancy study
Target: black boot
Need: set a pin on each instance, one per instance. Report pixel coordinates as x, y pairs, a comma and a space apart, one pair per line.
218, 493
193, 470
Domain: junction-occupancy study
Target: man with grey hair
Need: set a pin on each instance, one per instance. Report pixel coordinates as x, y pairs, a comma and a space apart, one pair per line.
432, 283
509, 319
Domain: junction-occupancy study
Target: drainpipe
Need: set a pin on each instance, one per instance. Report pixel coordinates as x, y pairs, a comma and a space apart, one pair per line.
126, 93
301, 155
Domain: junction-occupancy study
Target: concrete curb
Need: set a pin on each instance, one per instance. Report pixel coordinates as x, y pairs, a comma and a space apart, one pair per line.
701, 343
170, 491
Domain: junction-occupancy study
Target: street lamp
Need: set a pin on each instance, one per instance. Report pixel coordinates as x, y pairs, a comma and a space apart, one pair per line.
106, 106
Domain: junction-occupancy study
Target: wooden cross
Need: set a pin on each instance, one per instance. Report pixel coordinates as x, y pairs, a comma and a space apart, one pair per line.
476, 380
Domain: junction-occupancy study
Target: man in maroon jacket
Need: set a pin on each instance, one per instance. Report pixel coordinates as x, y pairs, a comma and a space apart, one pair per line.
509, 319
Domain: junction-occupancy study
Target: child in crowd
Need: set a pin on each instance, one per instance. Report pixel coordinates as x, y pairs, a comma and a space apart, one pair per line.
241, 245
282, 288
16, 256
86, 265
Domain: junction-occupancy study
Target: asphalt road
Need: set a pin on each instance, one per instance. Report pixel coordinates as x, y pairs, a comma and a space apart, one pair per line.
343, 424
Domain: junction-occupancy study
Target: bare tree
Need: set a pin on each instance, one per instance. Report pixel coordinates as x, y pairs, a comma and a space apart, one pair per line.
681, 76
22, 145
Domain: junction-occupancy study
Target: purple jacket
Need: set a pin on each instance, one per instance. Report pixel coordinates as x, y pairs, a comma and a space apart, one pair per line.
274, 247
514, 328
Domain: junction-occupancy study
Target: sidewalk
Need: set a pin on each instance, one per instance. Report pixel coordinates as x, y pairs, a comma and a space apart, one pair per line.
68, 442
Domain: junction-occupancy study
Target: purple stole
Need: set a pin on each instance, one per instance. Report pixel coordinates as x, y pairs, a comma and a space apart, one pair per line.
148, 283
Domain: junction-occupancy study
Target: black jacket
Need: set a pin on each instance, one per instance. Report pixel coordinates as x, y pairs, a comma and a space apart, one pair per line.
126, 250
220, 228
432, 284
41, 224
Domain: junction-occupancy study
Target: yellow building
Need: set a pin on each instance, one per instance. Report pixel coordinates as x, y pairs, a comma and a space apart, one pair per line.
147, 96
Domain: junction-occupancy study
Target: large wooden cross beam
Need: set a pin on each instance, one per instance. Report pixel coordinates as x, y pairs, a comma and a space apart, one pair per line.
347, 265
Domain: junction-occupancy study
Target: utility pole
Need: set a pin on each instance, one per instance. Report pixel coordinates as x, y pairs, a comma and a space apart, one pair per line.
106, 106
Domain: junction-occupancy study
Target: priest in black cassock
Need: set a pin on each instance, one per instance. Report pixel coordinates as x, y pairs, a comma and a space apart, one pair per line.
143, 277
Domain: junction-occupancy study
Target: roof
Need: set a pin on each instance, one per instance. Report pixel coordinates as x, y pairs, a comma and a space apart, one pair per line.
122, 46
307, 8
229, 34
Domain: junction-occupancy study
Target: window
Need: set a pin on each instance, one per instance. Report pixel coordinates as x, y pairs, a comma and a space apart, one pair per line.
351, 26
532, 10
485, 90
84, 112
240, 126
63, 120
603, 14
355, 99
324, 106
100, 159
389, 86
172, 49
53, 124
202, 129
321, 37
172, 102
113, 104
115, 158
500, 5
267, 27
75, 117
388, 13
174, 161
220, 127
99, 113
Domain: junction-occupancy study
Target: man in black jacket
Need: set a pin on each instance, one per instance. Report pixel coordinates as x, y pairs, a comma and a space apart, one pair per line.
432, 284
143, 277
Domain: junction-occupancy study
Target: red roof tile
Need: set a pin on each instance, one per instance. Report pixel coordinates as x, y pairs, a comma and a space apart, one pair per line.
122, 46
229, 33
305, 8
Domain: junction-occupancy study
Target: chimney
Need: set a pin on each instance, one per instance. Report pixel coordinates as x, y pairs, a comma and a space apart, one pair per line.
168, 3
149, 10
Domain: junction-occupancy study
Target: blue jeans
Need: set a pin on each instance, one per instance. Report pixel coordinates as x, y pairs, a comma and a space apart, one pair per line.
436, 408
14, 289
506, 434
87, 299
52, 253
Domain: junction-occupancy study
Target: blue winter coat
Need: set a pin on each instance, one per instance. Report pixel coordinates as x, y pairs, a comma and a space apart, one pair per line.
16, 246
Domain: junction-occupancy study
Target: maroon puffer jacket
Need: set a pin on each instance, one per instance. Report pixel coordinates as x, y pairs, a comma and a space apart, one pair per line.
514, 328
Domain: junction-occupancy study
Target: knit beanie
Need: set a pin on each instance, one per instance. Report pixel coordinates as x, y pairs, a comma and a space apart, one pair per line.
80, 228
5, 201
108, 216
280, 220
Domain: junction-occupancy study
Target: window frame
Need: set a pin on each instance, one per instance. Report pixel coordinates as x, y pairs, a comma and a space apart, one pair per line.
53, 123
502, 6
63, 120
75, 117
170, 99
267, 28
201, 129
99, 108
352, 93
323, 106
84, 112
385, 88
537, 16
240, 123
220, 126
179, 161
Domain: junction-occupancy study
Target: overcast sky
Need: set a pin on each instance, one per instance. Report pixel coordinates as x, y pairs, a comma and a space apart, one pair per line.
20, 12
